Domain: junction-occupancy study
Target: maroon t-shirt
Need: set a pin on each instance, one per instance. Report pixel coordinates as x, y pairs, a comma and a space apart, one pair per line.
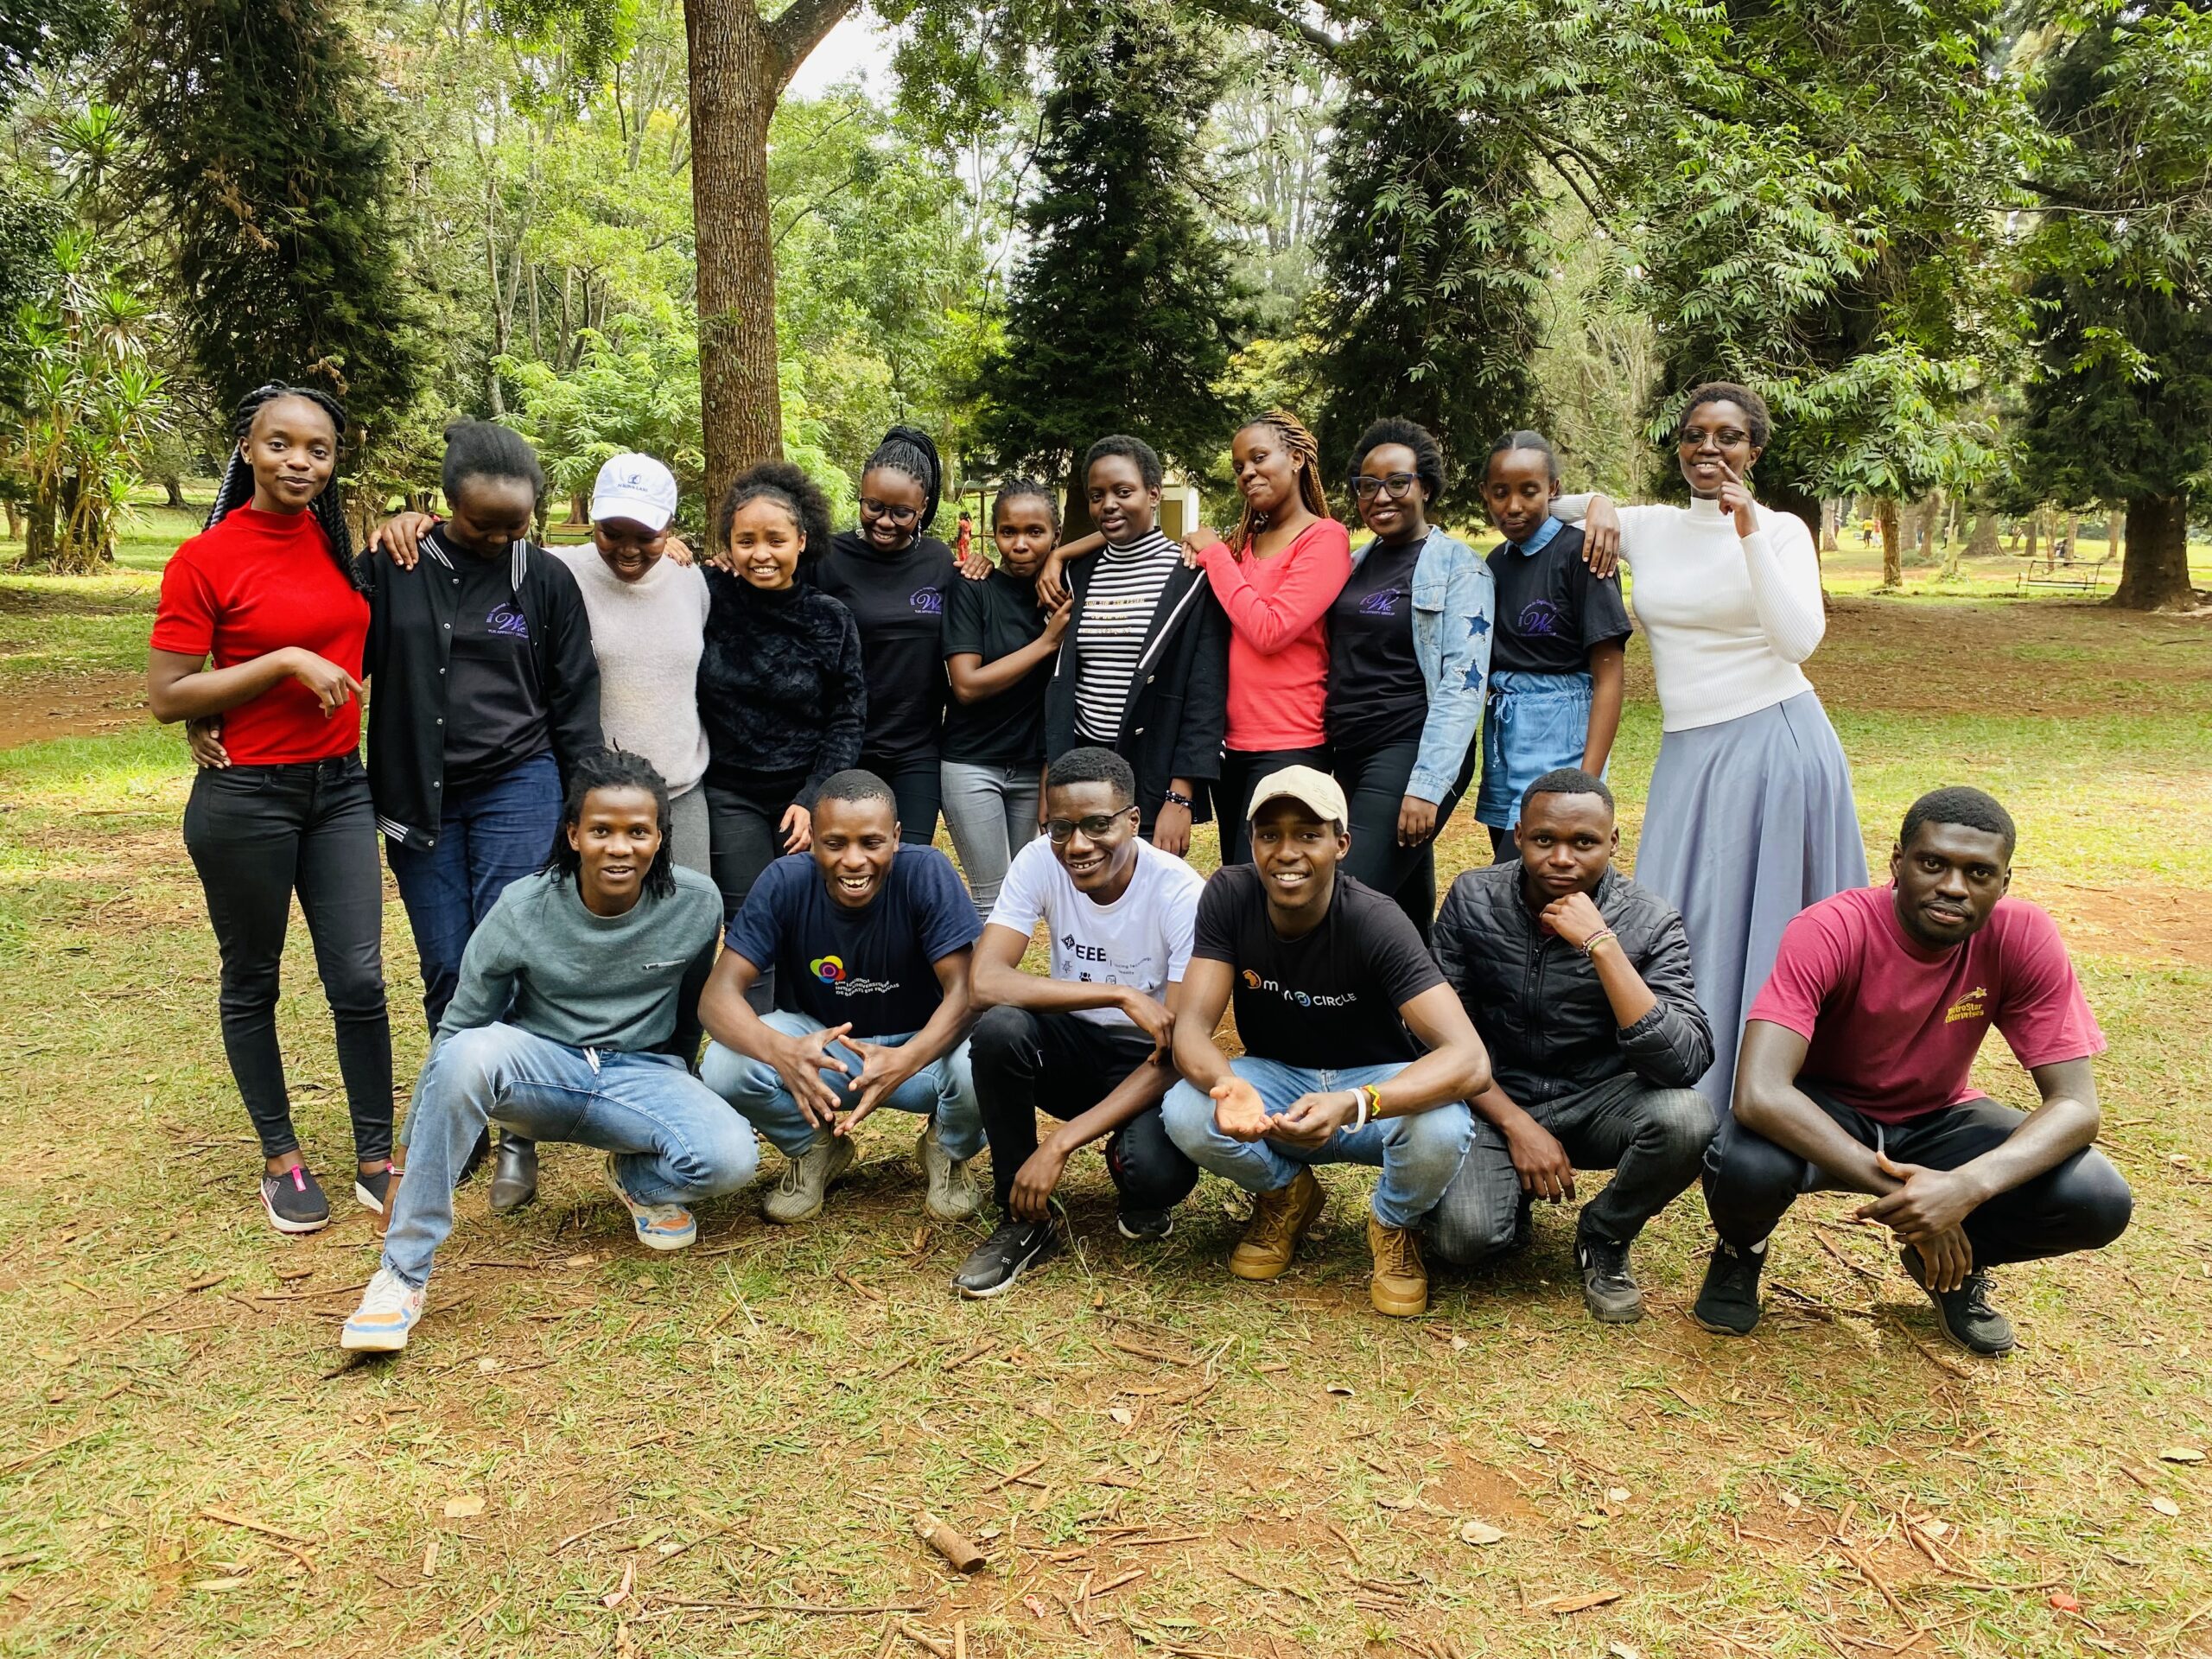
254, 583
1891, 1027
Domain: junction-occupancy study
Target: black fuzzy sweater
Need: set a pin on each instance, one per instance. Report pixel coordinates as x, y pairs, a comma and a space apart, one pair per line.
781, 690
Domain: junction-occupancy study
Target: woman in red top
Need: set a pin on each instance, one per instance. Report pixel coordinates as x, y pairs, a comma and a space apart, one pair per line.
267, 592
1275, 576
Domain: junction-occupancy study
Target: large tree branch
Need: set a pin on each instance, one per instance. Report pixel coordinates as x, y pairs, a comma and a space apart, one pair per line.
798, 29
1263, 15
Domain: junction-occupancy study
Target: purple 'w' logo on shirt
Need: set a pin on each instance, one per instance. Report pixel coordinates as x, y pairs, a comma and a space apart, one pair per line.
1383, 602
928, 600
1539, 617
508, 620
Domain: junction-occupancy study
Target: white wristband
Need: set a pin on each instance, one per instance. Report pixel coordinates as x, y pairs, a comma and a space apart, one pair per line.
1359, 1100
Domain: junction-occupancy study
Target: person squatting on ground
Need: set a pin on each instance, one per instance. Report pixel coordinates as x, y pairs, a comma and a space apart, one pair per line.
1356, 1051
870, 942
1855, 1077
1091, 1043
1579, 982
281, 803
572, 1021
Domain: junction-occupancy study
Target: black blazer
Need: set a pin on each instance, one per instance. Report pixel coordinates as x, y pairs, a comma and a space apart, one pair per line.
1177, 711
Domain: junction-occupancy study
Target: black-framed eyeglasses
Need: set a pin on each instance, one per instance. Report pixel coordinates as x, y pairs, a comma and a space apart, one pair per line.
1097, 826
876, 509
1396, 486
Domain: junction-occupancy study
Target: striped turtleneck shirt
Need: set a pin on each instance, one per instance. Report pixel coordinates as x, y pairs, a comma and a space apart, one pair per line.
1115, 624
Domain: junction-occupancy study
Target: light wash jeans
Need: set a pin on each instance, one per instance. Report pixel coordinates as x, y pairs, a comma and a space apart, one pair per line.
991, 812
675, 1141
1417, 1154
943, 1088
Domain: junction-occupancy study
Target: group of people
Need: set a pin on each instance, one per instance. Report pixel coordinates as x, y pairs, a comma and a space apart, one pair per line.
663, 828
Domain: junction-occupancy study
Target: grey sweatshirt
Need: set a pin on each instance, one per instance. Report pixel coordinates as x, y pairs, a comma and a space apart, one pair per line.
647, 635
629, 982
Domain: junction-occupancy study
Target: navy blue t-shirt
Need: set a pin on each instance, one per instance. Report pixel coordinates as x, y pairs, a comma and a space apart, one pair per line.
874, 966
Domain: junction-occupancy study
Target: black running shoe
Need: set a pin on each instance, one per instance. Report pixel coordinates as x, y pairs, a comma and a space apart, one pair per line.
372, 1192
295, 1201
1729, 1302
1524, 1225
1145, 1225
1965, 1313
1609, 1289
1001, 1258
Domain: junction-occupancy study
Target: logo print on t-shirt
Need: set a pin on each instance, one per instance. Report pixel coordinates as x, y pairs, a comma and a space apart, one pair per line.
1974, 1004
1251, 980
508, 621
1383, 602
930, 601
1539, 619
827, 969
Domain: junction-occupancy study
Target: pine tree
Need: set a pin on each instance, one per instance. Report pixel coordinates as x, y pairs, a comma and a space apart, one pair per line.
1123, 314
264, 153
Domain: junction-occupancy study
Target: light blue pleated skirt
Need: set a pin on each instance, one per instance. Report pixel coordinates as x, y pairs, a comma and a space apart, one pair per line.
1748, 822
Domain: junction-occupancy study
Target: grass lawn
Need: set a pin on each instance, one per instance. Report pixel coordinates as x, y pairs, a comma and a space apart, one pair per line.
591, 1450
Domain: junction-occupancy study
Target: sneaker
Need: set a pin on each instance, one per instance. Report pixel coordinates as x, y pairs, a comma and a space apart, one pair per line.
807, 1178
1965, 1313
954, 1193
1145, 1225
388, 1310
514, 1174
660, 1226
1279, 1221
1524, 1225
295, 1201
1609, 1289
1728, 1303
993, 1266
372, 1192
1400, 1285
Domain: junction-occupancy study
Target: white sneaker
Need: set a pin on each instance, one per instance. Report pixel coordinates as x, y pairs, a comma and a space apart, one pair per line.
807, 1179
660, 1226
954, 1194
389, 1308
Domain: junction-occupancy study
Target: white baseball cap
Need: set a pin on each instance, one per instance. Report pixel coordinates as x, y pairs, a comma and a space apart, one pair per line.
1316, 792
637, 488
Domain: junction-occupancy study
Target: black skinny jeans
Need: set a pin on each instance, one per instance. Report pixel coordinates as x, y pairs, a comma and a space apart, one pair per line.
258, 834
2083, 1203
1023, 1059
1241, 771
919, 789
1374, 787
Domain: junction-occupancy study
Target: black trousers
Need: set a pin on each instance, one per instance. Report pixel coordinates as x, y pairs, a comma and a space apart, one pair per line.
1061, 1062
1374, 787
2080, 1205
743, 838
257, 836
920, 791
1242, 770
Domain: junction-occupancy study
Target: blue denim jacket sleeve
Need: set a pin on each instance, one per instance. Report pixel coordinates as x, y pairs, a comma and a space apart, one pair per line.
1455, 602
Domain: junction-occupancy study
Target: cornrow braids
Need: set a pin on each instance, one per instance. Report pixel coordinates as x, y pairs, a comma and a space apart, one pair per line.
236, 489
1306, 452
1021, 489
909, 450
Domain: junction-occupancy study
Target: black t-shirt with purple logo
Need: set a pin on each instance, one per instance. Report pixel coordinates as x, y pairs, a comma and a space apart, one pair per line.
1376, 691
495, 708
1550, 609
1328, 1000
898, 600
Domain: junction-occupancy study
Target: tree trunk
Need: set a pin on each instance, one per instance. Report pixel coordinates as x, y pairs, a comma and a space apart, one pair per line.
1075, 517
1829, 516
1984, 544
735, 79
2073, 532
1803, 503
1885, 516
15, 512
2034, 523
2116, 531
174, 486
2155, 575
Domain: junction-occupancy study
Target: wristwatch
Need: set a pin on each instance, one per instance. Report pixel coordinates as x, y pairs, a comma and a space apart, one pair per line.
1177, 797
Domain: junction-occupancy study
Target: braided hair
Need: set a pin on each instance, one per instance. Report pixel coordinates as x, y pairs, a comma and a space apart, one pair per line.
1306, 454
1021, 489
906, 450
236, 489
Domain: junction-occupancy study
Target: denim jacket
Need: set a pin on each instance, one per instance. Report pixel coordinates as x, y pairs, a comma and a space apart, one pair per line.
1454, 602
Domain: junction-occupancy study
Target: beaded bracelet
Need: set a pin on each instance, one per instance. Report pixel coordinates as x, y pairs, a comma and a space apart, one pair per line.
1590, 944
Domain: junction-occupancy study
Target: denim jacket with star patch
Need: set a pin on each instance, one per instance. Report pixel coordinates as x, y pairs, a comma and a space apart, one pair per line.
1455, 601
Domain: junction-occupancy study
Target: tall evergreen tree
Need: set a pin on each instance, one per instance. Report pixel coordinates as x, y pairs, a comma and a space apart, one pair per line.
1124, 313
264, 152
2120, 405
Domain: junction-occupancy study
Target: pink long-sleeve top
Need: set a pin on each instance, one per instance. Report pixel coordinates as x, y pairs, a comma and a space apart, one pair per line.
1279, 640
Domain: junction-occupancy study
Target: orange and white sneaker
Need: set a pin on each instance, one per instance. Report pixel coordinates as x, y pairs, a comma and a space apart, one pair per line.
389, 1309
660, 1226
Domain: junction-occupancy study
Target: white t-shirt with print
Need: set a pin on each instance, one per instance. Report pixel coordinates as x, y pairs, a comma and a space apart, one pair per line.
1142, 939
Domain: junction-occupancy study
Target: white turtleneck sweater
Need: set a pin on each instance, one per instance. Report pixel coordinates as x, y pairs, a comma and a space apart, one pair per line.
1728, 618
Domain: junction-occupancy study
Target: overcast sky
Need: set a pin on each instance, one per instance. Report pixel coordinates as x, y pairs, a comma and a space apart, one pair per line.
858, 43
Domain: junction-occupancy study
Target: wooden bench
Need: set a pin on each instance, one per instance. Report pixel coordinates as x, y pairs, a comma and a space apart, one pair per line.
2083, 576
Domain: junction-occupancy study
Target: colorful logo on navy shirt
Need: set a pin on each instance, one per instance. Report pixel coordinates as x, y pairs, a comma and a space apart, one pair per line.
831, 971
507, 621
827, 969
1540, 618
930, 601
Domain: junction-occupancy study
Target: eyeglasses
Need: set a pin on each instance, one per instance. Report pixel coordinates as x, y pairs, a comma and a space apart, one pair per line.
1097, 826
876, 509
1395, 486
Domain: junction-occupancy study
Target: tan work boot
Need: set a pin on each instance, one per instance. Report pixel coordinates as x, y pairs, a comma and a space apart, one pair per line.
1279, 1221
1400, 1286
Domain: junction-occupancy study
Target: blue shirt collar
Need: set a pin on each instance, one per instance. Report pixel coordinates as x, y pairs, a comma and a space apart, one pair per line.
1537, 543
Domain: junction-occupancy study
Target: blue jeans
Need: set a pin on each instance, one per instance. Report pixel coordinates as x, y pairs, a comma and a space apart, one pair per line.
1535, 724
943, 1088
676, 1142
488, 838
1417, 1154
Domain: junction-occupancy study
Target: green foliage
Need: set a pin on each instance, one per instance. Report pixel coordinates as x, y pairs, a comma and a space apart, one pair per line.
1124, 313
37, 34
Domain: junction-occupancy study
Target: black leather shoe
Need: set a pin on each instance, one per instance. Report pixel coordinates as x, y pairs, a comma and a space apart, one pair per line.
514, 1174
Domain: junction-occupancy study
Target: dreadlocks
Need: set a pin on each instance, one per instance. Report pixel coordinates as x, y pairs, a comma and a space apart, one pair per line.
1306, 454
237, 488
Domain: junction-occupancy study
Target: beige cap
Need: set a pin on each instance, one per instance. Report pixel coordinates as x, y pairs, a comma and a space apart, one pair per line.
1315, 790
